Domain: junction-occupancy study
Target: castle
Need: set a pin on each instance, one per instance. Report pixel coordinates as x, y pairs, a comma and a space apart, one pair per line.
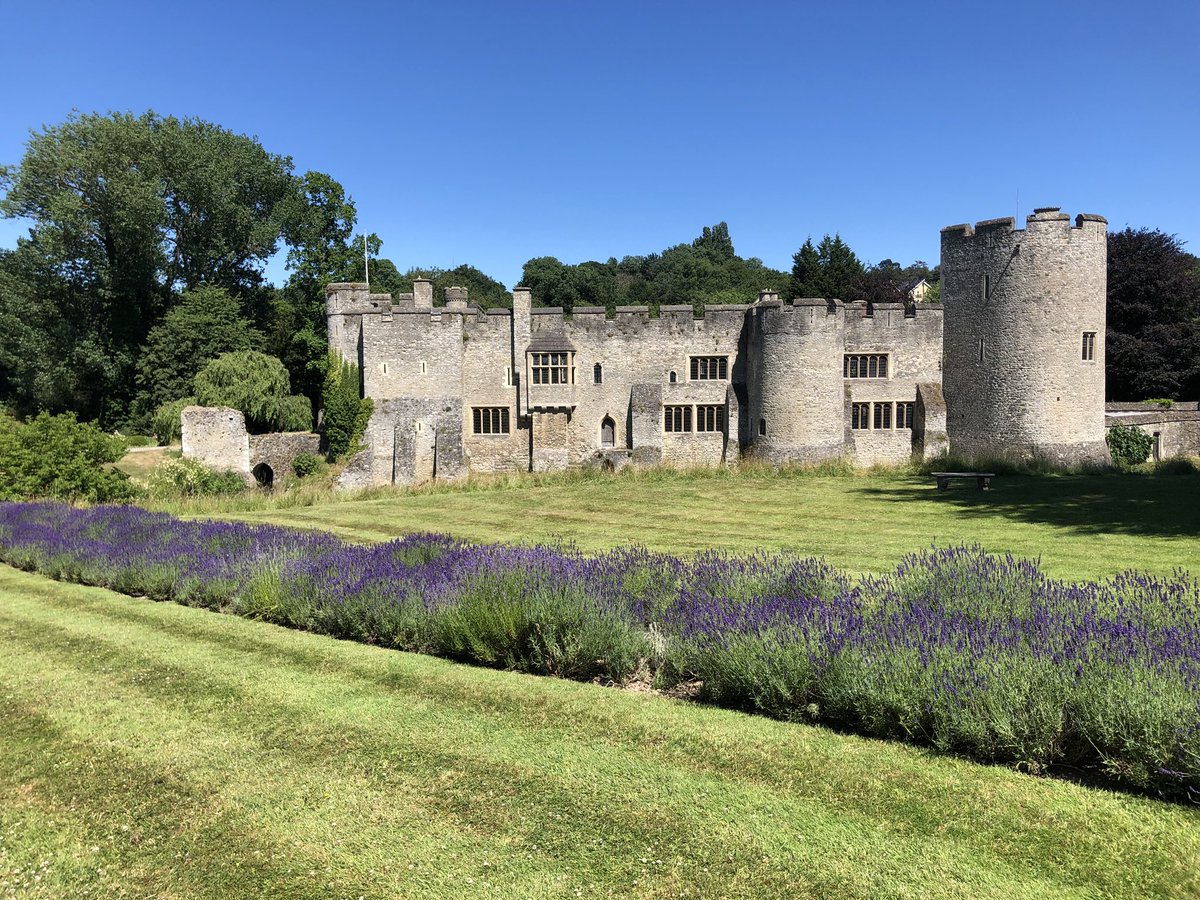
1010, 361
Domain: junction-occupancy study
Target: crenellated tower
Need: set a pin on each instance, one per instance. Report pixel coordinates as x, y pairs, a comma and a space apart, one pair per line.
1023, 344
796, 410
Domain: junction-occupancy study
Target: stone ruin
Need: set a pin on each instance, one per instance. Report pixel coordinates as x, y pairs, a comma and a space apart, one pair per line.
216, 436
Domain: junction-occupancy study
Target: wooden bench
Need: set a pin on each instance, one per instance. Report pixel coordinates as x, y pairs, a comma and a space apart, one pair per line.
983, 480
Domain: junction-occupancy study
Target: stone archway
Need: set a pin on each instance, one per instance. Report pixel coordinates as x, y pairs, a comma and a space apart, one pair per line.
608, 432
264, 476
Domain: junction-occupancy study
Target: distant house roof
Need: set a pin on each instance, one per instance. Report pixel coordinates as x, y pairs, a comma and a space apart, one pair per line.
551, 342
909, 286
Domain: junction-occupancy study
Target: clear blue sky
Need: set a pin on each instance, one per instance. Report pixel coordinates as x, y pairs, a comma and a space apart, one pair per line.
488, 133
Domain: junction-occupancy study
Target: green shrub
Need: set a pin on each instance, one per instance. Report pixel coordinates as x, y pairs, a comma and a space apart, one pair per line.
189, 478
346, 411
1164, 402
306, 464
1129, 446
166, 420
508, 621
59, 457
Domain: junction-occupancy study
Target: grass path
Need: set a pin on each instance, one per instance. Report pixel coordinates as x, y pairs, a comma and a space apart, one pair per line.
152, 749
1081, 526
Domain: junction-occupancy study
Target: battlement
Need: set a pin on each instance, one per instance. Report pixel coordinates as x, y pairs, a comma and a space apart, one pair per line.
1044, 219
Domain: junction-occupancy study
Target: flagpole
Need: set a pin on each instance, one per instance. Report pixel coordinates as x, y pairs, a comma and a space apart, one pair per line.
366, 266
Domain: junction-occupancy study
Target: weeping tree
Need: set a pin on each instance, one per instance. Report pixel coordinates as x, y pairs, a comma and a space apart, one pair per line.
258, 385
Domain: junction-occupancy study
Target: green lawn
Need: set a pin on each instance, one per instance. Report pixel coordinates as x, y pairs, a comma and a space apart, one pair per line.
153, 749
1081, 526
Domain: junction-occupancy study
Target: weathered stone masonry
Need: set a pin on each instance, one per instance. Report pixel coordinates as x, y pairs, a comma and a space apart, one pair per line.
457, 389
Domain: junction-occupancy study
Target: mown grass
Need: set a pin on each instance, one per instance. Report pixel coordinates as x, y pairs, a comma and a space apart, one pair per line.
1081, 526
139, 462
152, 749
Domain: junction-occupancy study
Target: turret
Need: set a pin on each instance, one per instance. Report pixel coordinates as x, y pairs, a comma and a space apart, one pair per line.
797, 410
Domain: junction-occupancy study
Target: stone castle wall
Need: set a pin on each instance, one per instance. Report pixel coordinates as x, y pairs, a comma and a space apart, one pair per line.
1013, 380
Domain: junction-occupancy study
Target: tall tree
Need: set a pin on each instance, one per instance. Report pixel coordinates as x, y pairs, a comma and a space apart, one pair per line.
842, 267
808, 275
204, 324
1153, 339
322, 247
127, 210
830, 270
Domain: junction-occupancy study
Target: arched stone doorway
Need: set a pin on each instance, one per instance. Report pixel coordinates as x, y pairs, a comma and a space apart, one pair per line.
608, 432
264, 476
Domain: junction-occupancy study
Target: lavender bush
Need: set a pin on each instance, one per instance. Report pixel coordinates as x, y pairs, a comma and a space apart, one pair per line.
967, 652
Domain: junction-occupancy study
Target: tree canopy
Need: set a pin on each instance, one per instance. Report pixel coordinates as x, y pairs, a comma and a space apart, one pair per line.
707, 270
205, 323
1153, 340
128, 212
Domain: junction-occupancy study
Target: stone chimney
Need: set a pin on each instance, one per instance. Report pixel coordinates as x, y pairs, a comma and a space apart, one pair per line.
423, 293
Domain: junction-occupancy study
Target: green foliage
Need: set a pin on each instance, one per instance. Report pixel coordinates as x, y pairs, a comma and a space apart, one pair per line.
707, 270
510, 621
346, 411
205, 323
295, 413
1161, 402
56, 456
188, 478
1152, 344
306, 464
829, 270
1129, 446
166, 420
259, 386
115, 201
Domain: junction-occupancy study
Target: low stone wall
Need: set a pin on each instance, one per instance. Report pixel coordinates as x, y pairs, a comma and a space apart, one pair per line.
1175, 429
277, 450
216, 436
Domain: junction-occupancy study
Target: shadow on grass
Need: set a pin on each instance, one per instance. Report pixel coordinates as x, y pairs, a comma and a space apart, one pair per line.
1085, 504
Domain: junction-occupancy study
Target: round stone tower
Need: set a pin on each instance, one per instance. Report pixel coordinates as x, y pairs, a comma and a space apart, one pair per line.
797, 399
1023, 345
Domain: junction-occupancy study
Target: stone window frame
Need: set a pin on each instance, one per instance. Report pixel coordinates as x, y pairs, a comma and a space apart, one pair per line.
677, 419
708, 368
762, 427
860, 416
859, 366
552, 368
710, 418
881, 415
490, 421
598, 373
1089, 346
